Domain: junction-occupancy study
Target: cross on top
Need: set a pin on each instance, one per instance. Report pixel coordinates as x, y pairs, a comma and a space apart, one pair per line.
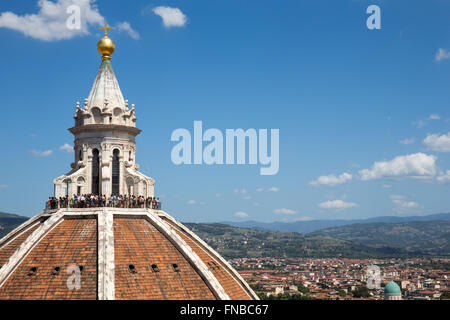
106, 28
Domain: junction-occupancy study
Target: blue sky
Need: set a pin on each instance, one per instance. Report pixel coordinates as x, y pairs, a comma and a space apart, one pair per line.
363, 114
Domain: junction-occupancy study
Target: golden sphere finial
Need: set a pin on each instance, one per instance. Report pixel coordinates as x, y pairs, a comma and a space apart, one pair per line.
106, 46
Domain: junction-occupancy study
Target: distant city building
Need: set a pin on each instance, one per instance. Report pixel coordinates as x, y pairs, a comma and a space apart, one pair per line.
392, 291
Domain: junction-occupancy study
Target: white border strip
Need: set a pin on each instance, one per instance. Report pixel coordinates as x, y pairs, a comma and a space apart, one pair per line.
27, 246
106, 263
12, 235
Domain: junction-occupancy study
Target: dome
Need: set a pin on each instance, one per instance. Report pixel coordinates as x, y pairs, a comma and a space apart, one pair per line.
106, 47
137, 254
392, 288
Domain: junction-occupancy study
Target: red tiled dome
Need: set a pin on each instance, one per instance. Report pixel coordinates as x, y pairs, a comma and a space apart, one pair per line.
119, 254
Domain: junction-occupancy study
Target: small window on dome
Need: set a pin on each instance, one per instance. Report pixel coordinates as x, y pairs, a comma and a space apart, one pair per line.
56, 271
175, 267
155, 268
32, 271
132, 268
81, 269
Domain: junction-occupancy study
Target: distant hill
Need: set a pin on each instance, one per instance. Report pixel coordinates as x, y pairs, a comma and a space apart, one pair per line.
360, 240
233, 242
9, 222
431, 237
314, 225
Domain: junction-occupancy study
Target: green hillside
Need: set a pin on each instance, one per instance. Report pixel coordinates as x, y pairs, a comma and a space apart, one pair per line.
431, 237
9, 222
368, 240
234, 242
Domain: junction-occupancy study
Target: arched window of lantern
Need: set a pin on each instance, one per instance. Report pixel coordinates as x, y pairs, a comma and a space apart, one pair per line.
130, 186
80, 185
95, 171
116, 172
144, 188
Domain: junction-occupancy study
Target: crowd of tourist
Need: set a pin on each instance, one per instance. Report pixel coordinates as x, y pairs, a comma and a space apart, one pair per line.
96, 201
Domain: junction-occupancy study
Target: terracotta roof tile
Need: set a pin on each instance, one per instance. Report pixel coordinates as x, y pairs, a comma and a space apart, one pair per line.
10, 247
147, 265
218, 269
72, 243
140, 244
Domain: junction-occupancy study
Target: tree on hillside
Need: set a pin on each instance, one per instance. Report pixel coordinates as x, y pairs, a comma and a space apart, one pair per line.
445, 295
303, 289
361, 292
342, 293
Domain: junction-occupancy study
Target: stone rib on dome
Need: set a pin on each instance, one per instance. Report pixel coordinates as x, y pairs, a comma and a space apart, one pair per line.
123, 254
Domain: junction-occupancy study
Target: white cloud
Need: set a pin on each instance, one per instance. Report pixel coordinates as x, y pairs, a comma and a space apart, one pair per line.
125, 26
274, 189
284, 211
337, 204
434, 117
438, 143
332, 180
386, 186
242, 191
241, 215
247, 198
41, 153
444, 177
192, 202
421, 123
418, 165
260, 190
3, 187
218, 195
50, 23
202, 203
172, 17
442, 54
407, 141
66, 147
402, 205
